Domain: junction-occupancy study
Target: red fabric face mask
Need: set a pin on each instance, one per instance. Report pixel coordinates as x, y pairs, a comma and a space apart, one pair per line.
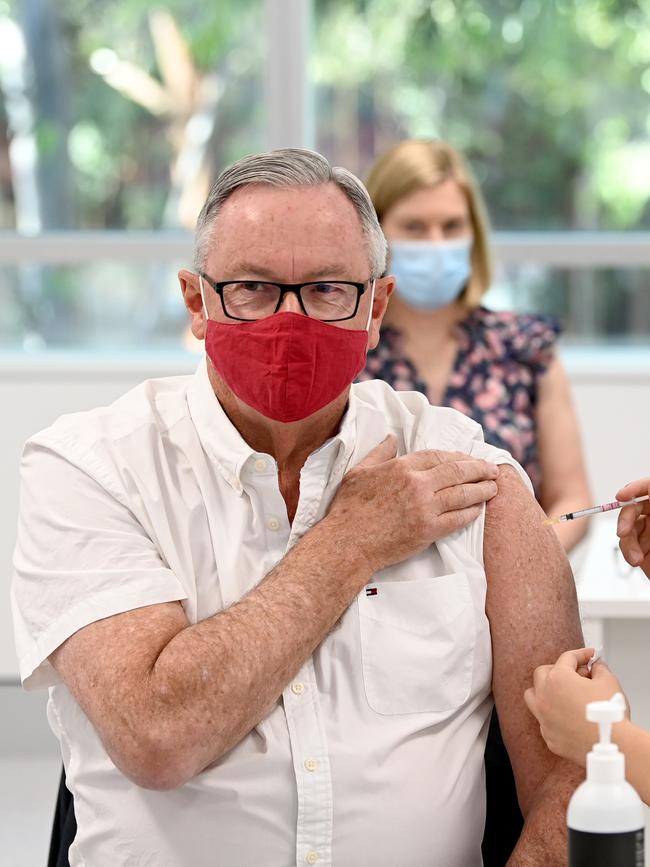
286, 366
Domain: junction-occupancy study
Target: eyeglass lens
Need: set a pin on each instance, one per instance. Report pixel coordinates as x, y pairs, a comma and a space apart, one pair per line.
249, 300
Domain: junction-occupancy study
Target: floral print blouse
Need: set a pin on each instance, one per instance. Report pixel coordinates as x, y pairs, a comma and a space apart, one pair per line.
494, 380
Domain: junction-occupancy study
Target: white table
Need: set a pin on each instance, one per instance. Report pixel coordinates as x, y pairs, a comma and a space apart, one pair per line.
608, 588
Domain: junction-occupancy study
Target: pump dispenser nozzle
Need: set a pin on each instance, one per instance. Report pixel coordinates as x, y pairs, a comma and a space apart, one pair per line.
605, 713
605, 815
605, 763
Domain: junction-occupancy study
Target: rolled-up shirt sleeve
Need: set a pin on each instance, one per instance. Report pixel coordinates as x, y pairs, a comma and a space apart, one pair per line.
486, 452
81, 555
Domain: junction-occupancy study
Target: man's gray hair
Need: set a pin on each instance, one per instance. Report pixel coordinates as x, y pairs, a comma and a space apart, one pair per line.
290, 167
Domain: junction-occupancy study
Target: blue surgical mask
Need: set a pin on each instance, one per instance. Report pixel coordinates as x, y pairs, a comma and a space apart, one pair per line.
428, 274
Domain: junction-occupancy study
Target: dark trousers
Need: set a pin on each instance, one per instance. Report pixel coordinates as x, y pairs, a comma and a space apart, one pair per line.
64, 827
503, 818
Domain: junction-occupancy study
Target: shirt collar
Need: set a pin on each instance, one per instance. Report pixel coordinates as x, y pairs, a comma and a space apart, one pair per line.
230, 452
221, 440
344, 441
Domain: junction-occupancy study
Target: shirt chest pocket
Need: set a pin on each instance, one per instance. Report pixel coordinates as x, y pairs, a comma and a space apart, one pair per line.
417, 644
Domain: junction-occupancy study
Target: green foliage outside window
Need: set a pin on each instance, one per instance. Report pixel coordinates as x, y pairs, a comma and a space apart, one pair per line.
550, 99
130, 108
118, 116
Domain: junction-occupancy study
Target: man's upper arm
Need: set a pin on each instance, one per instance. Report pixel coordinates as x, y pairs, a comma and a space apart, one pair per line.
533, 613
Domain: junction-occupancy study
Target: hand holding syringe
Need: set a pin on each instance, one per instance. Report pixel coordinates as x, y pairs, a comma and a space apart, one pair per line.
594, 510
633, 523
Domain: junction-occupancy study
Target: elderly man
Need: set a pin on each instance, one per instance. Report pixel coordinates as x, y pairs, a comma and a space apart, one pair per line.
272, 610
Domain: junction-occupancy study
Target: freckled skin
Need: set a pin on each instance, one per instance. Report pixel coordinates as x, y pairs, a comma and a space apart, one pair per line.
533, 612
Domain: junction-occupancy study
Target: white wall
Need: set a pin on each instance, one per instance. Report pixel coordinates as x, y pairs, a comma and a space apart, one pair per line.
611, 390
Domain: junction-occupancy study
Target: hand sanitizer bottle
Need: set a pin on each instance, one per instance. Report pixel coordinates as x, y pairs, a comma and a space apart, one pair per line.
605, 815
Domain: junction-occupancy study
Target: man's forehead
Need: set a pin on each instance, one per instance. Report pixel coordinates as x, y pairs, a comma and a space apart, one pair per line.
312, 262
263, 230
253, 202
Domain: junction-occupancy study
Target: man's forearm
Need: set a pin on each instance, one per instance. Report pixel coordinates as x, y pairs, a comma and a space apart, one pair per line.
214, 681
543, 841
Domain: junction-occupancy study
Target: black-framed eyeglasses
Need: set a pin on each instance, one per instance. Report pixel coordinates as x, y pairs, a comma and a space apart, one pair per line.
329, 301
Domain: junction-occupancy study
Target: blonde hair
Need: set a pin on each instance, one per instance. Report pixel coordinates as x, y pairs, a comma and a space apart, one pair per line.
414, 164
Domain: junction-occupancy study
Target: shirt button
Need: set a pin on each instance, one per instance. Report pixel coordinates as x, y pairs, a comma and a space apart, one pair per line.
297, 688
311, 764
311, 857
273, 523
260, 465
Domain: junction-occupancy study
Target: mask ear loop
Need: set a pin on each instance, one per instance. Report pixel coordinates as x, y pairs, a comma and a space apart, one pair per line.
203, 307
372, 301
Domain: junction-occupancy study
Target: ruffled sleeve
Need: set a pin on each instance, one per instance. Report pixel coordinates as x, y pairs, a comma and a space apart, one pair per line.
528, 339
534, 340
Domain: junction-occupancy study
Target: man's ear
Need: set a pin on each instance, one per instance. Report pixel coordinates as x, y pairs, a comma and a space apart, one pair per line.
384, 287
190, 288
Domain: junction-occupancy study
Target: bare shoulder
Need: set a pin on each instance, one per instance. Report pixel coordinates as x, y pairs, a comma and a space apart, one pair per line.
525, 564
514, 520
555, 371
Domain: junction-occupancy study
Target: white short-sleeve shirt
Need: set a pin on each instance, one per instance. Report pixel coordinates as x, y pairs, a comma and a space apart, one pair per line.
374, 753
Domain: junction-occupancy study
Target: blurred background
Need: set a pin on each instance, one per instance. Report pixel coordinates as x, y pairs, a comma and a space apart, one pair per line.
115, 118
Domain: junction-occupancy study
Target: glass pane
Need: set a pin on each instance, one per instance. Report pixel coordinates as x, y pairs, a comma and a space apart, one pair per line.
547, 98
119, 115
593, 306
107, 306
101, 307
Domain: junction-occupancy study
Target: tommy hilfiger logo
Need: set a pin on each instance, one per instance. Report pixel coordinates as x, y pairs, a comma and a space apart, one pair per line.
371, 591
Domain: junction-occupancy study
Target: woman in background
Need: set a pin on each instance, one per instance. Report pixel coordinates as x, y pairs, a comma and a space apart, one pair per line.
501, 369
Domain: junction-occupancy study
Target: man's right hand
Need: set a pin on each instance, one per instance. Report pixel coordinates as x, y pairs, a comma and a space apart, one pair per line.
391, 508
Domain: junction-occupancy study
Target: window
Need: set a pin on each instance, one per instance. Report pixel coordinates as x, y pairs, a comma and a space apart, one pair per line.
549, 99
118, 115
118, 118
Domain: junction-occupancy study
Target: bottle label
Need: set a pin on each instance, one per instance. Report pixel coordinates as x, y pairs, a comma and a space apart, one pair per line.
606, 850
